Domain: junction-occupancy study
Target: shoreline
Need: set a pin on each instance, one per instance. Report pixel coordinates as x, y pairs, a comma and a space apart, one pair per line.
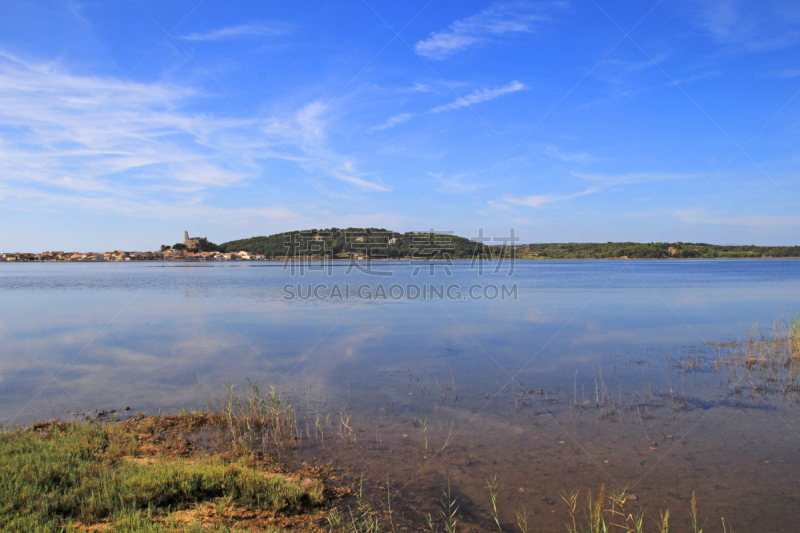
191, 472
339, 262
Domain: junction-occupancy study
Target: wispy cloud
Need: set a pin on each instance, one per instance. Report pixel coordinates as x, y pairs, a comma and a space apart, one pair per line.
629, 93
539, 200
481, 95
618, 71
308, 128
136, 132
256, 29
496, 21
361, 182
462, 183
476, 97
567, 157
619, 66
600, 182
394, 121
349, 174
142, 146
751, 26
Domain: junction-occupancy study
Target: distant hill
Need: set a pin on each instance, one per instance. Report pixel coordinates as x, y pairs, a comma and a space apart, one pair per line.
656, 250
383, 243
367, 242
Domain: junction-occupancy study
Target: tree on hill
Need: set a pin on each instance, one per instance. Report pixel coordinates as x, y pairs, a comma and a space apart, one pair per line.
204, 245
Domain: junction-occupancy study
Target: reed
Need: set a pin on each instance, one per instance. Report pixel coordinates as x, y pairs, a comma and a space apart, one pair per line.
494, 487
448, 512
604, 513
767, 363
522, 519
255, 418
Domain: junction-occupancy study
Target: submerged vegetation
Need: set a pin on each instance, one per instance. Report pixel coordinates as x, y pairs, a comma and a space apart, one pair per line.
615, 512
221, 471
764, 364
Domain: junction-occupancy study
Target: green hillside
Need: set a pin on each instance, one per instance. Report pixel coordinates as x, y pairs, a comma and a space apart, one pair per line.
367, 242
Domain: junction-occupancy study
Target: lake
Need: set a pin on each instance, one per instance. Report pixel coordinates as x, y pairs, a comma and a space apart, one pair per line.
546, 374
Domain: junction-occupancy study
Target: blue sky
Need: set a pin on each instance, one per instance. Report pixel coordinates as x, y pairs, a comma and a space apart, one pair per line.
123, 123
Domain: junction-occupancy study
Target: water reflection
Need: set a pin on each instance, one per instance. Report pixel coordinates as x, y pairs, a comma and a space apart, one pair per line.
511, 388
162, 336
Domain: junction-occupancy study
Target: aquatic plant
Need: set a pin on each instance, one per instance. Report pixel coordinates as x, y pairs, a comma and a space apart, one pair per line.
763, 364
494, 488
255, 417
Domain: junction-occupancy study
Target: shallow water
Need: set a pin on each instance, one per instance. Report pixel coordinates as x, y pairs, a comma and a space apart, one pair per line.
572, 383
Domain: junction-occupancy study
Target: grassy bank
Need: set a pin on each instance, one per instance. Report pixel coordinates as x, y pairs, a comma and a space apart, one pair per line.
185, 472
145, 475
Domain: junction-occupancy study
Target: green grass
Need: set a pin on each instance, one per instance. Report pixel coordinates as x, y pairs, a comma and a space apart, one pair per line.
68, 474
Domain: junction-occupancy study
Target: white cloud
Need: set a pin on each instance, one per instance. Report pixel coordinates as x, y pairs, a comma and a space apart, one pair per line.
141, 146
481, 95
393, 121
257, 29
476, 97
600, 182
557, 153
307, 127
496, 21
356, 180
531, 201
106, 130
461, 183
539, 200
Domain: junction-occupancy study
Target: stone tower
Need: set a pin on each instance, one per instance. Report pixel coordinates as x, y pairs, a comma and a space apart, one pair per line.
191, 244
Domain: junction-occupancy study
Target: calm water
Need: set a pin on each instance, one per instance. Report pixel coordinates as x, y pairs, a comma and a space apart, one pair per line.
496, 381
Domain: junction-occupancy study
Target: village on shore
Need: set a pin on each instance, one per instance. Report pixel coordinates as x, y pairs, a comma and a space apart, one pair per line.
187, 252
119, 255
